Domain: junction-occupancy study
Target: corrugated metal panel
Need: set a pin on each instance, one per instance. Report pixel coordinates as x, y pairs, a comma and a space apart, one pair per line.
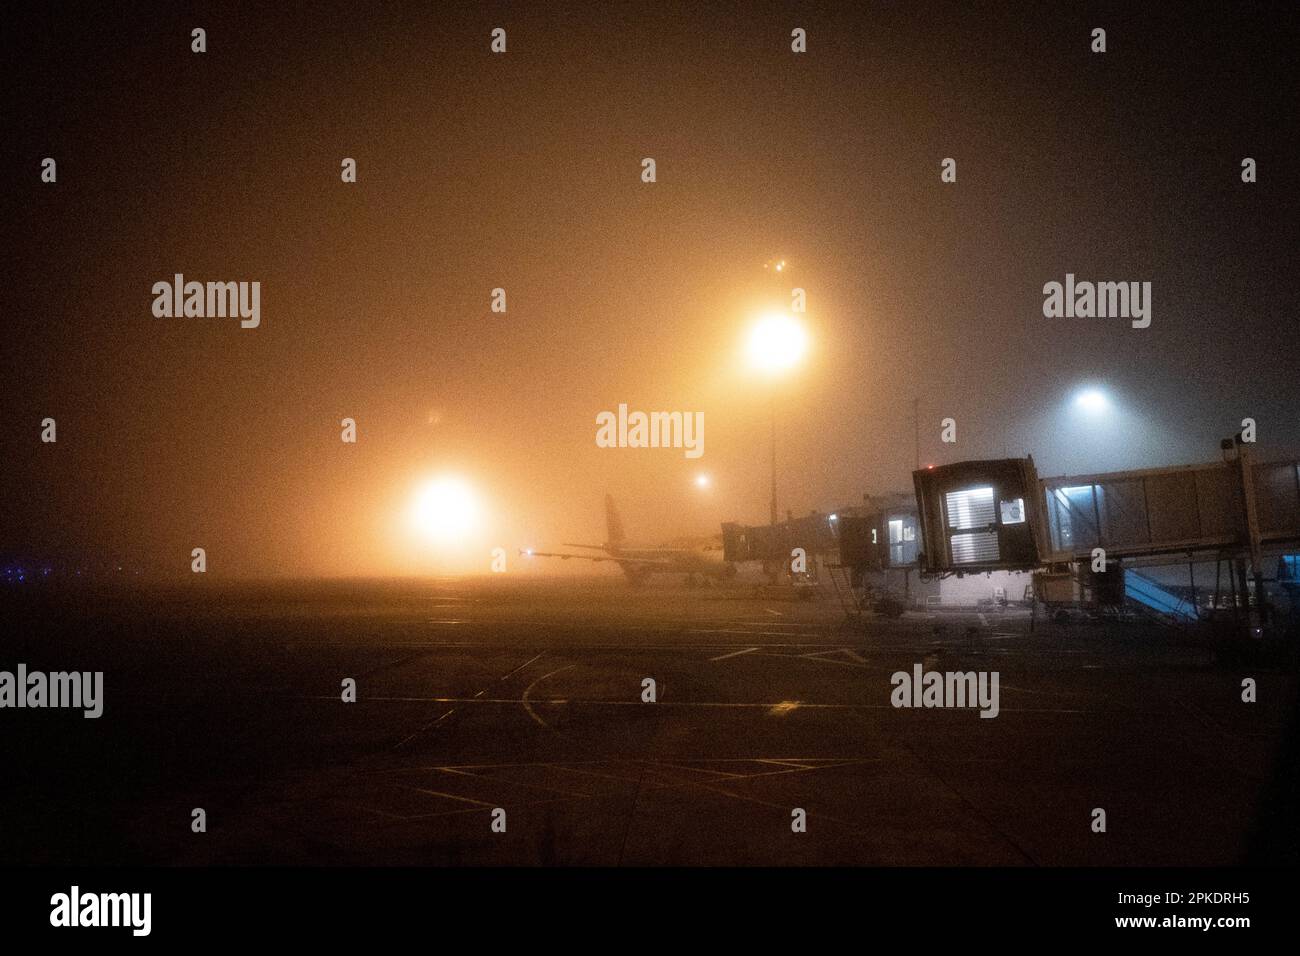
1172, 508
974, 547
1218, 491
1125, 517
970, 508
1277, 498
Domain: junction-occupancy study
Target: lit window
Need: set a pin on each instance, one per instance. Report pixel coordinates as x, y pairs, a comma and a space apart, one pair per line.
970, 508
972, 515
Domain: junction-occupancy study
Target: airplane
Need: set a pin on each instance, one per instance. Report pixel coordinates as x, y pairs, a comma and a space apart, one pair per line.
690, 556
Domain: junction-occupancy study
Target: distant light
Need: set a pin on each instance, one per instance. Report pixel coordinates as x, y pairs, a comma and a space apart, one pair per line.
835, 517
776, 342
445, 510
780, 265
1092, 400
702, 481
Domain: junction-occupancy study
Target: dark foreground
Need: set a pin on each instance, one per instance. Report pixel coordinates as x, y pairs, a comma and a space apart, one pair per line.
527, 696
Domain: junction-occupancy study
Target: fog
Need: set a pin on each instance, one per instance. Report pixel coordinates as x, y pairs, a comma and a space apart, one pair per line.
523, 172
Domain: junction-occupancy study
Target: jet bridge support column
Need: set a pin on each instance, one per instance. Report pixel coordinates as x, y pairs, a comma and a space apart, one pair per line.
1252, 534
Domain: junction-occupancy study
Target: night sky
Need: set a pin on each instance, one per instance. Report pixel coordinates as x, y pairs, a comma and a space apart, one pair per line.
523, 171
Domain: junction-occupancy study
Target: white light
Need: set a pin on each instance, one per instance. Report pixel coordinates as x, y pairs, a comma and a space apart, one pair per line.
1092, 400
702, 481
776, 342
445, 510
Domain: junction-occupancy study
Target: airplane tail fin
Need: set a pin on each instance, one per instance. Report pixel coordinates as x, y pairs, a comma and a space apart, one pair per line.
613, 524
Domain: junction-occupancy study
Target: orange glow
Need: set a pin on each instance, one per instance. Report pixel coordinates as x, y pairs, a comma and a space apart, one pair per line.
446, 510
776, 343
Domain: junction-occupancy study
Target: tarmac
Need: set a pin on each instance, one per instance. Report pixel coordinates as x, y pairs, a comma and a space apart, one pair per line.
509, 722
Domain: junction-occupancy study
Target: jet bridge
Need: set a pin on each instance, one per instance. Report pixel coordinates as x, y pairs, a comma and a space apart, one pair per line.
815, 533
1227, 506
997, 515
1155, 511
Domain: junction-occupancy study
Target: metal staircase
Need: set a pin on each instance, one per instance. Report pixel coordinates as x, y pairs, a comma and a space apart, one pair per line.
1157, 600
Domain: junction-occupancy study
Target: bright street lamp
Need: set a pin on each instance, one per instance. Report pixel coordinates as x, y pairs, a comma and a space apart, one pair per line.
777, 342
1092, 400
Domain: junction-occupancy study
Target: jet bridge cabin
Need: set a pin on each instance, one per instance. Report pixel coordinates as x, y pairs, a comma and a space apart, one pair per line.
878, 540
980, 516
773, 543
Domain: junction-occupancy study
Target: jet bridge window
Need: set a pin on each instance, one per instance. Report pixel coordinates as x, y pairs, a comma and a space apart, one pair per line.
902, 541
1074, 516
972, 525
1013, 511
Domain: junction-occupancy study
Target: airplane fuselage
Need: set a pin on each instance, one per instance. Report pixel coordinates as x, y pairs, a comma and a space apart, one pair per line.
689, 556
703, 557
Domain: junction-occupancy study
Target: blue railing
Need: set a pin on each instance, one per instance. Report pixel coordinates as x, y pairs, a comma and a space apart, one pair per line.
1150, 594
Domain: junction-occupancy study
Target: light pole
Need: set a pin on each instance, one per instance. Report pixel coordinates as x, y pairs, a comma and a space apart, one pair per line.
916, 431
773, 396
777, 342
